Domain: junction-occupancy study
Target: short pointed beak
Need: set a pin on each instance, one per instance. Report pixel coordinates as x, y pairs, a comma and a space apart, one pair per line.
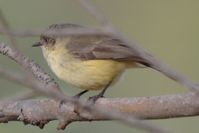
37, 44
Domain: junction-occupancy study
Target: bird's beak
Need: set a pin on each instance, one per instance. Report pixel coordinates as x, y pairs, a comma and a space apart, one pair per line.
37, 44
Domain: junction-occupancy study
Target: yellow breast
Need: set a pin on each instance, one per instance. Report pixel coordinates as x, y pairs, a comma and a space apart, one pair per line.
89, 75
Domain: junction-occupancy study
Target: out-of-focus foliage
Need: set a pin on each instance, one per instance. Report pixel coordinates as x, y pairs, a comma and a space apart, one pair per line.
168, 29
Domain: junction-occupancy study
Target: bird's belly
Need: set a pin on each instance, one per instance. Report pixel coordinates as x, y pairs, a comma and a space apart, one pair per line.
89, 75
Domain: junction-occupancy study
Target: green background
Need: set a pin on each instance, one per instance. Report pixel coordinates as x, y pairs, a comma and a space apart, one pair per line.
167, 28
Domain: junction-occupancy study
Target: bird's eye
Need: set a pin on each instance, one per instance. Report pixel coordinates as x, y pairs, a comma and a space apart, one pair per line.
48, 40
44, 39
51, 40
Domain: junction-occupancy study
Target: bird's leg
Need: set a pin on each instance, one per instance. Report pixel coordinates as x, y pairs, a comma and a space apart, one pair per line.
101, 94
80, 94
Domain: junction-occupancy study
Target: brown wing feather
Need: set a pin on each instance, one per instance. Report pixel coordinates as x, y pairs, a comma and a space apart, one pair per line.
102, 47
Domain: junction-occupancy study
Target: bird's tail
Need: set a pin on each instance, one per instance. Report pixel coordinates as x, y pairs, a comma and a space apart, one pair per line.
158, 65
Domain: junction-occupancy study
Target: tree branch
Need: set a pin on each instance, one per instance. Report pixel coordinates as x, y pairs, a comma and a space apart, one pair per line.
28, 64
40, 112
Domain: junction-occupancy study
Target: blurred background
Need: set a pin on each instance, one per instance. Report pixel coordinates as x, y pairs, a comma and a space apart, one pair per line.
167, 28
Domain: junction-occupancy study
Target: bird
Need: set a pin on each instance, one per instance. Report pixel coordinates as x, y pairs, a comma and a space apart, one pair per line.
90, 62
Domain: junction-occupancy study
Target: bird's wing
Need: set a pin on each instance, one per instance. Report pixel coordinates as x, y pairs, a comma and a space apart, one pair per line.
103, 48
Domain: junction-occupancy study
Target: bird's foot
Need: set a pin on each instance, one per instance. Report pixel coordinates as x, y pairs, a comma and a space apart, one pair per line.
93, 99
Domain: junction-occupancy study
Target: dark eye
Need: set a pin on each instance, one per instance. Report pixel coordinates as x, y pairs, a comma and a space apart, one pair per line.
44, 39
48, 40
51, 40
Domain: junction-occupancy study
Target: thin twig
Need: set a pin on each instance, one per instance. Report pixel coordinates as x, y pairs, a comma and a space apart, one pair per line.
36, 33
96, 14
21, 96
6, 27
20, 79
22, 33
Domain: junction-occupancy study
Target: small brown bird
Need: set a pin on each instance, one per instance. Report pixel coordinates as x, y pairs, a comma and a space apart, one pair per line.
90, 62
